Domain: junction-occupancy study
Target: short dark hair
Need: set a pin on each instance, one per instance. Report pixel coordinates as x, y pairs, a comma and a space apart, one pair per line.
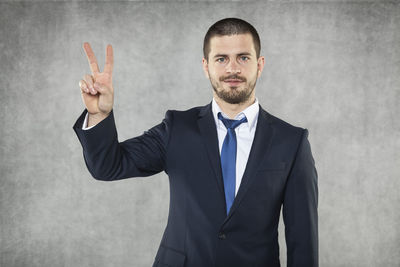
230, 26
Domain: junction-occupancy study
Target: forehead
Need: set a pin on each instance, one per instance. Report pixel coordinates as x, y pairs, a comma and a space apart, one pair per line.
232, 44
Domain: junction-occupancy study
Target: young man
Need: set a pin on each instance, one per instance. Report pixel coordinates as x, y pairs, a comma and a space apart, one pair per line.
231, 164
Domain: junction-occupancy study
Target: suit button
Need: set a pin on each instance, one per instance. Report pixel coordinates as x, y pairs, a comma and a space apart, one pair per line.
221, 235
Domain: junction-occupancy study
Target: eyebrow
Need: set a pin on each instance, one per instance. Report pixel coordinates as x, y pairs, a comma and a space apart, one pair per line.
240, 54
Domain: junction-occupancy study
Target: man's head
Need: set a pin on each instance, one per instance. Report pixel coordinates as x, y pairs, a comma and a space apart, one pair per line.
227, 27
232, 60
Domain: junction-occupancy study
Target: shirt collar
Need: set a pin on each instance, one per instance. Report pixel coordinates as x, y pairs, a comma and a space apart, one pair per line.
251, 113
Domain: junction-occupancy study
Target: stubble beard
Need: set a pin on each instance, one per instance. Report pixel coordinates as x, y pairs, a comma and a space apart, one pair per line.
233, 95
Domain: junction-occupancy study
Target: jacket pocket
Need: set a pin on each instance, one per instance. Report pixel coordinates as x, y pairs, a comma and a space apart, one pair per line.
170, 257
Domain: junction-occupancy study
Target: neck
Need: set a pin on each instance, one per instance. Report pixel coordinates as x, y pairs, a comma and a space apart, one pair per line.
232, 110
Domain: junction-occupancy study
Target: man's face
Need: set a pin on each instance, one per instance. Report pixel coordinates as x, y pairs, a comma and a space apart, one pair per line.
233, 67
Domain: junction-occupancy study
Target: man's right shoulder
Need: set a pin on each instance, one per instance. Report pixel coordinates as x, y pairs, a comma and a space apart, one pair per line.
190, 113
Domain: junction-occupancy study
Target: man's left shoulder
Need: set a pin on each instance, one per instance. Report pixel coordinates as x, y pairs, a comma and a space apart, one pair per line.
280, 125
285, 133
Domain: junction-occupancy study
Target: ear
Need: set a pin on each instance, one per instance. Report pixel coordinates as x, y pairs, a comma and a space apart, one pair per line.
260, 65
205, 67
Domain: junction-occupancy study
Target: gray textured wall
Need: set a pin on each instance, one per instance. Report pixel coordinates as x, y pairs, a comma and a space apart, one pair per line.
332, 67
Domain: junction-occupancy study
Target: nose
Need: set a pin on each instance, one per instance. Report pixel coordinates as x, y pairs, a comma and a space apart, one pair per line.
233, 67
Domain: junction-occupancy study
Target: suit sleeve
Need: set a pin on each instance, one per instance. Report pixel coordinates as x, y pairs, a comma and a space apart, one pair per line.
107, 159
300, 208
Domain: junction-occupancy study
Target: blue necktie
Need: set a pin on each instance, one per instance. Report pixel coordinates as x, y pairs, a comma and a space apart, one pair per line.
228, 159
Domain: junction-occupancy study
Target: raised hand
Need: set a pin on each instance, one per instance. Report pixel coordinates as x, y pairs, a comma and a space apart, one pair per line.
97, 90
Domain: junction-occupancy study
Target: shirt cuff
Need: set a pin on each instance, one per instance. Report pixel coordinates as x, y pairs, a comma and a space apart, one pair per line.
84, 126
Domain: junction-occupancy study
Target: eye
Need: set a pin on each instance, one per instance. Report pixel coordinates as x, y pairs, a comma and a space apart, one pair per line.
244, 58
220, 60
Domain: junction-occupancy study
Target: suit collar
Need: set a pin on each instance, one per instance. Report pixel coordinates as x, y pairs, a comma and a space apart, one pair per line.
204, 110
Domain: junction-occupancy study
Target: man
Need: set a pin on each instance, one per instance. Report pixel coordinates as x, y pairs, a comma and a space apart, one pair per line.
231, 165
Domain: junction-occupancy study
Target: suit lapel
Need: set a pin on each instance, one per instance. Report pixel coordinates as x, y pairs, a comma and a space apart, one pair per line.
208, 131
262, 140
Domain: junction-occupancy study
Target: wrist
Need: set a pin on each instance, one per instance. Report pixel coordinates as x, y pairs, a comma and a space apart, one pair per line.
98, 114
95, 118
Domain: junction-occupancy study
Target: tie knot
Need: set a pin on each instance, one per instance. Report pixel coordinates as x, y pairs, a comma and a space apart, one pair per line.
231, 124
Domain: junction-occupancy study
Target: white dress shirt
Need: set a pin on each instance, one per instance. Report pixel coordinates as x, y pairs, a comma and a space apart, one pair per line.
244, 135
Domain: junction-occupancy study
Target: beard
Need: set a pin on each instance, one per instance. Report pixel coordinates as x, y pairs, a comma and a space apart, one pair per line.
233, 95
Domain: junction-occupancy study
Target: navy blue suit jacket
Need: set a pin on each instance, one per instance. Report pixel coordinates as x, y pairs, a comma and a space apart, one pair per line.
280, 173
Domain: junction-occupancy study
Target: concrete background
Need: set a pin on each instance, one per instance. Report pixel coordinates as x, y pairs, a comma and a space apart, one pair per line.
332, 67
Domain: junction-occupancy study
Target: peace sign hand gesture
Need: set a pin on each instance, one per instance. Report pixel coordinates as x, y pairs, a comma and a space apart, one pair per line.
97, 90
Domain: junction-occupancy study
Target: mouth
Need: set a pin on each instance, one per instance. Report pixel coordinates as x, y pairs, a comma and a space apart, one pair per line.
233, 81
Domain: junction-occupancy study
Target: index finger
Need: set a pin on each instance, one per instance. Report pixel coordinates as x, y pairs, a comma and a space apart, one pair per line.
109, 60
91, 58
